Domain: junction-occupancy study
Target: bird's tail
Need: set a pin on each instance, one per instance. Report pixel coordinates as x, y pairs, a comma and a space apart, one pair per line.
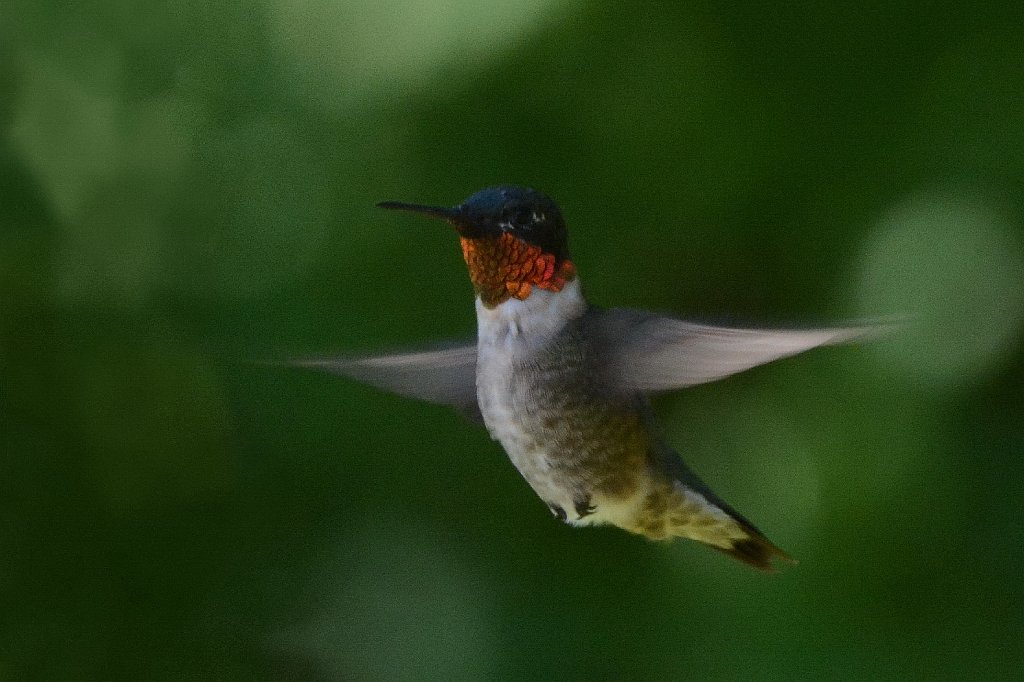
681, 505
757, 551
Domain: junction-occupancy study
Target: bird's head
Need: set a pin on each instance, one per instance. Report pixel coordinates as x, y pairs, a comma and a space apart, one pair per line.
513, 240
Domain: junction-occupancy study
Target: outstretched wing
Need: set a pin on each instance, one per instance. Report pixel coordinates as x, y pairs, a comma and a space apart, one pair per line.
445, 376
649, 353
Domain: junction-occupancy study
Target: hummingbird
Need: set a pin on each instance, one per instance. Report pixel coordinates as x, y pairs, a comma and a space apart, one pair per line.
564, 386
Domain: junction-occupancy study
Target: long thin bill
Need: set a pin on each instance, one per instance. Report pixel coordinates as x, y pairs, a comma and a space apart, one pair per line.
435, 211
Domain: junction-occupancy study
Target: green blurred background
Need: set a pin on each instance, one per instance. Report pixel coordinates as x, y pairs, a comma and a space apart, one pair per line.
188, 186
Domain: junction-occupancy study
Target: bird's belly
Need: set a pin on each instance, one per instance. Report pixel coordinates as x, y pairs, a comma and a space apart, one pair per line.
584, 458
581, 477
527, 447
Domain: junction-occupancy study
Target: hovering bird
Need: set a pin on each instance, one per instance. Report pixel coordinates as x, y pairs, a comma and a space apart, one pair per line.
564, 385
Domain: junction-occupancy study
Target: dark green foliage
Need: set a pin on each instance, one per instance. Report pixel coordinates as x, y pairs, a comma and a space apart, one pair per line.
188, 187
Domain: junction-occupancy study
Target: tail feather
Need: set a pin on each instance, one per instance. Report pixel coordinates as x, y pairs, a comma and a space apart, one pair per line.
695, 512
756, 551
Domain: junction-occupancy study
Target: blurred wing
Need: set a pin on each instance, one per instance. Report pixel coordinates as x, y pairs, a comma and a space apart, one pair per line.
650, 353
445, 376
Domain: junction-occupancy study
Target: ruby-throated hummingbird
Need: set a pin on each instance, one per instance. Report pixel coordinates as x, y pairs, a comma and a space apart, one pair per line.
563, 385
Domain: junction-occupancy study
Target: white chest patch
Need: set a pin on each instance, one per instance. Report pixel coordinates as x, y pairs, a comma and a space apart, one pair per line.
507, 336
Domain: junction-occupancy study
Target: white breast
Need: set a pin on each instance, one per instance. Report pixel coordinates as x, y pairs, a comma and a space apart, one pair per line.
507, 335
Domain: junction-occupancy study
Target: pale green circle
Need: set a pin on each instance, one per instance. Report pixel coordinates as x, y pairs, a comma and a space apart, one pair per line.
404, 604
952, 266
344, 54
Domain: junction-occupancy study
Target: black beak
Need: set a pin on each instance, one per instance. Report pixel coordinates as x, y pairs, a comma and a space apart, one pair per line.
448, 214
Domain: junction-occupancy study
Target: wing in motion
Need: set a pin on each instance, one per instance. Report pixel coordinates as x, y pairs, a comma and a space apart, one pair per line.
639, 352
445, 376
648, 353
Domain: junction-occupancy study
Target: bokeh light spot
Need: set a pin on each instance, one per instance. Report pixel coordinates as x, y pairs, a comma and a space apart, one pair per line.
953, 265
65, 127
402, 606
346, 53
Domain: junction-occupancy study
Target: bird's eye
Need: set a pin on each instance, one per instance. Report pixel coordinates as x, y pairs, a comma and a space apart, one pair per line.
522, 218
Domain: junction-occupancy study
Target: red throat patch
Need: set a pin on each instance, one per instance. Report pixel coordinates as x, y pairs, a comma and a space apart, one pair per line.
508, 267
